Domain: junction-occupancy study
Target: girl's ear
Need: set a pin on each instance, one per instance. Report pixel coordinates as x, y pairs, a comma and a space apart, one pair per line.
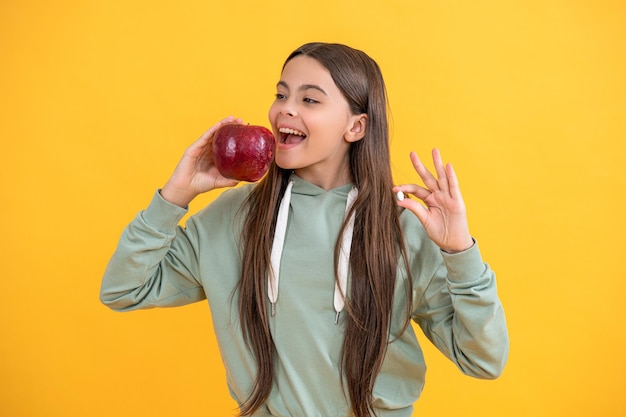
357, 128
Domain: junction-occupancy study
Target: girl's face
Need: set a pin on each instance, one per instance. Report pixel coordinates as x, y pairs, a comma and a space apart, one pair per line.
313, 124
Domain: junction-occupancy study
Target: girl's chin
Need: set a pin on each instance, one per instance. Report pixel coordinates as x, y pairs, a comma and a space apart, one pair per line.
284, 163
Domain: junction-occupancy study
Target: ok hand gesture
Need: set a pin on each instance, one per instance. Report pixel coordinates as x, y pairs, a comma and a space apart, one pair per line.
443, 216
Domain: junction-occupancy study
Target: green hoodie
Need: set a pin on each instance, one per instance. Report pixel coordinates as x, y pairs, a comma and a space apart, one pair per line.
160, 264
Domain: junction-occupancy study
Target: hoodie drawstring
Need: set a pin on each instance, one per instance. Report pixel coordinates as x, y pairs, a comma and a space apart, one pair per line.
277, 250
344, 258
277, 247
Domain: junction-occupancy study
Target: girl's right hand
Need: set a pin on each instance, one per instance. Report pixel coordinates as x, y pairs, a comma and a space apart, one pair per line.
196, 172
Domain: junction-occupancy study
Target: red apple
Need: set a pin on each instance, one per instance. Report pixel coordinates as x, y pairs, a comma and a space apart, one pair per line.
243, 152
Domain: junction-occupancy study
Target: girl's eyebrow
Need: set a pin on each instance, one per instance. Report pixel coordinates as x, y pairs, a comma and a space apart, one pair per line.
303, 87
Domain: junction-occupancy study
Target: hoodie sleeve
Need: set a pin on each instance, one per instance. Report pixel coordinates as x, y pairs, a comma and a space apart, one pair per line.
155, 263
459, 310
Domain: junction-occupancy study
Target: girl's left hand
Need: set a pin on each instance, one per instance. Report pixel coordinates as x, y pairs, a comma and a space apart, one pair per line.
443, 216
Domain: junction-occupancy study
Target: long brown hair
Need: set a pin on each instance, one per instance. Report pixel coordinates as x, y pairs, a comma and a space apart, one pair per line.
377, 243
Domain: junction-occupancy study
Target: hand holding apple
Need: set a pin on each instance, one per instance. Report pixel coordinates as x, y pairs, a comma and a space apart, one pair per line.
243, 152
196, 172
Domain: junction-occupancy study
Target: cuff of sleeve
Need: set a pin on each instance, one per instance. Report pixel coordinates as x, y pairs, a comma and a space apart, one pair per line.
163, 215
464, 266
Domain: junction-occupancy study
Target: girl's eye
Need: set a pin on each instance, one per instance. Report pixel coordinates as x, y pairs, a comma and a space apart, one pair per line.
280, 96
310, 100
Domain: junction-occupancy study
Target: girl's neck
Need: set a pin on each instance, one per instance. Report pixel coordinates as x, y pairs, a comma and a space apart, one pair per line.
327, 180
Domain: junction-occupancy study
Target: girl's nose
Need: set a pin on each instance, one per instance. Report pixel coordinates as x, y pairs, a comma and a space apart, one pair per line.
288, 109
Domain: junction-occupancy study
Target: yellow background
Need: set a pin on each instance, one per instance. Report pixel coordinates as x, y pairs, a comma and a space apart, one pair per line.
98, 100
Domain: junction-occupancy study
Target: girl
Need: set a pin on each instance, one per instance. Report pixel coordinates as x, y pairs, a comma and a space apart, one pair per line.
314, 274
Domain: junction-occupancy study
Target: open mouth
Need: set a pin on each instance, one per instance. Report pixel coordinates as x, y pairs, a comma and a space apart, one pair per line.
291, 136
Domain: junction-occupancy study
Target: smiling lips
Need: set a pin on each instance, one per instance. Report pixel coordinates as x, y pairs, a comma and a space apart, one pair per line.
291, 136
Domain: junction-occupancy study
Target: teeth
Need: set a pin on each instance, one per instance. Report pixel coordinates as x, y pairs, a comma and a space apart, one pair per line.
291, 131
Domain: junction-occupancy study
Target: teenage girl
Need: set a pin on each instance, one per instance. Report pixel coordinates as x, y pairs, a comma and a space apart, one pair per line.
314, 274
